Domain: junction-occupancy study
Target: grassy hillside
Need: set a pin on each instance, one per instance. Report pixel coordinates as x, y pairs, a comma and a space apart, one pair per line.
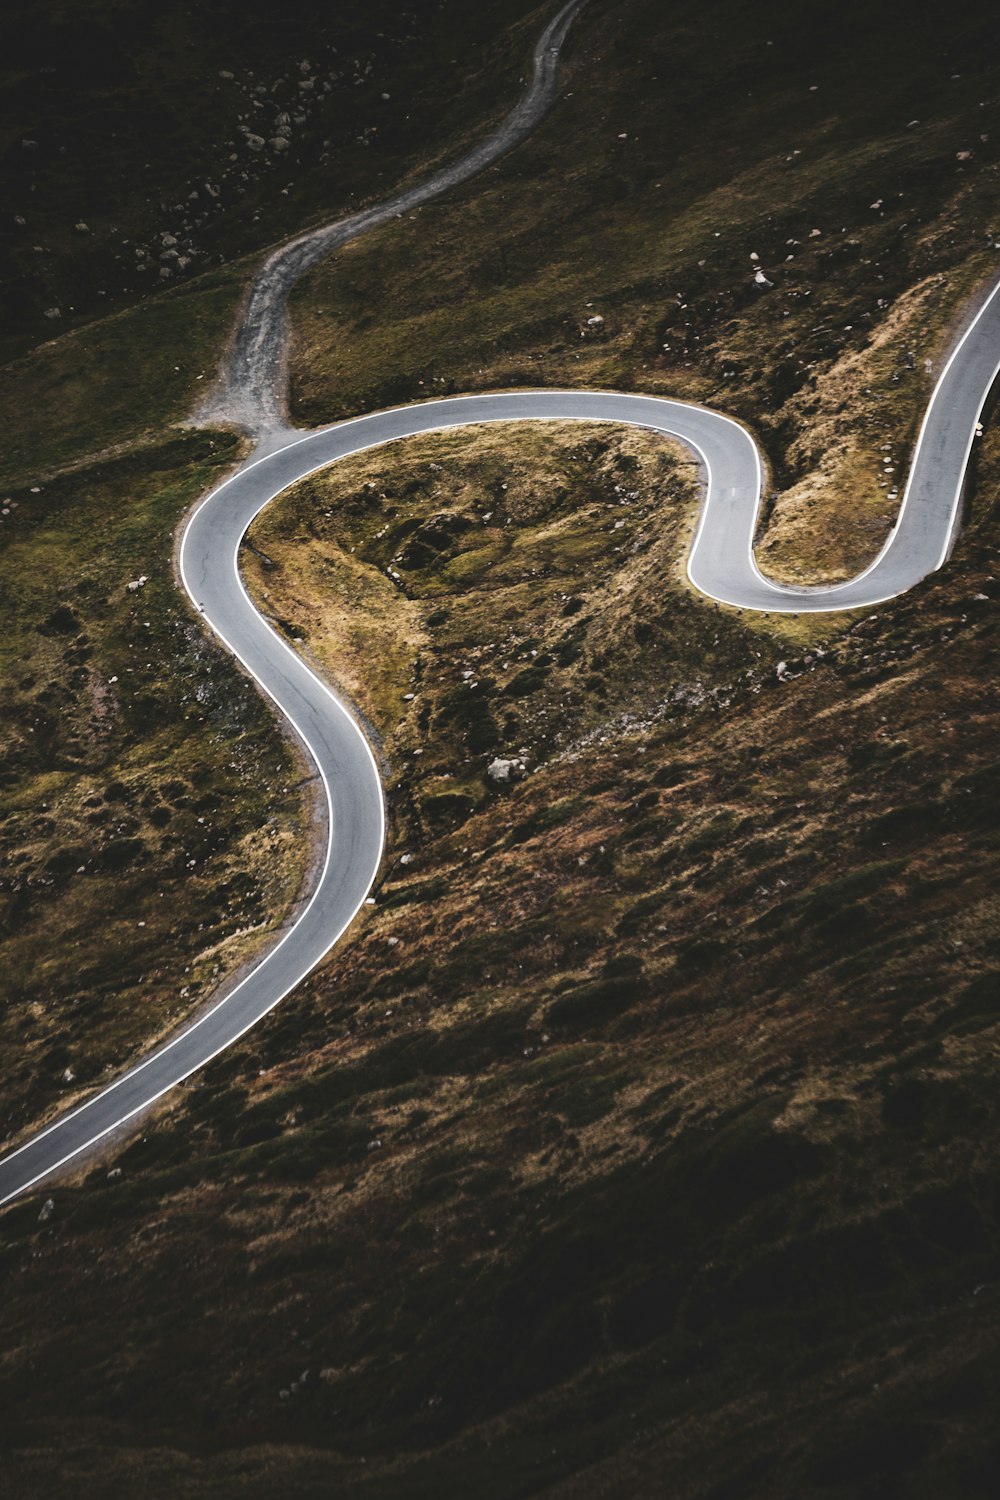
151, 833
646, 1126
850, 160
121, 147
488, 594
142, 145
153, 829
641, 1137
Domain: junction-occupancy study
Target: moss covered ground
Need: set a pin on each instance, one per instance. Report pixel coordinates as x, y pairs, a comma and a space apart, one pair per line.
150, 815
645, 1125
641, 1137
508, 592
850, 161
139, 145
153, 820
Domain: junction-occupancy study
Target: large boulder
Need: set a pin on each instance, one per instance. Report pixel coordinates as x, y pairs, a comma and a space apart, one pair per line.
504, 770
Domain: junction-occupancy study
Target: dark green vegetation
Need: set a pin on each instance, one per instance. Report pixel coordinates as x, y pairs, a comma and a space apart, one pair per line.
646, 1127
855, 158
138, 143
114, 385
122, 144
149, 814
107, 795
511, 592
642, 1140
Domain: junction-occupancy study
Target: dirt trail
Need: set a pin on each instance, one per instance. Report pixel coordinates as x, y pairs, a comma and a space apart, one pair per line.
252, 388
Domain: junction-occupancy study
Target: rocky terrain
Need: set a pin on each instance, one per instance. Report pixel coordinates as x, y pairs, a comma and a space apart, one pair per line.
141, 147
780, 220
646, 1122
640, 1137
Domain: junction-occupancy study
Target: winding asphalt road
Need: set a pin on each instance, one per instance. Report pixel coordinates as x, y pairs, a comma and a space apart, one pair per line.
721, 565
252, 385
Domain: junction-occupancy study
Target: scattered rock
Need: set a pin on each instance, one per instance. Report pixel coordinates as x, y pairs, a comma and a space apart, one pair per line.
53, 312
48, 1209
761, 280
503, 771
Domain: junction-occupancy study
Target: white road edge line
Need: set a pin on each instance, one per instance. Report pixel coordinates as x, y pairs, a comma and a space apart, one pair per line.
787, 599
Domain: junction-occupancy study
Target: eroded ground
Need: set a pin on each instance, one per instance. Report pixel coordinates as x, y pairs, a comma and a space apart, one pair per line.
647, 1122
642, 1136
848, 162
151, 816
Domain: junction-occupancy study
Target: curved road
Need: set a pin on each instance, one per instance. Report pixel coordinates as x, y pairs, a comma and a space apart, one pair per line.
251, 389
721, 565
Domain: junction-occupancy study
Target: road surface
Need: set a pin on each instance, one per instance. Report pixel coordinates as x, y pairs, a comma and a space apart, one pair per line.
721, 565
251, 391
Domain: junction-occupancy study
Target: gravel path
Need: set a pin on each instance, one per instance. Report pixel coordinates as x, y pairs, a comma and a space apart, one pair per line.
721, 565
252, 390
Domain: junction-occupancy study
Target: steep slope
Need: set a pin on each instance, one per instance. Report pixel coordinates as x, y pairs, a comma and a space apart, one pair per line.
140, 146
848, 162
641, 1139
646, 1127
107, 683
